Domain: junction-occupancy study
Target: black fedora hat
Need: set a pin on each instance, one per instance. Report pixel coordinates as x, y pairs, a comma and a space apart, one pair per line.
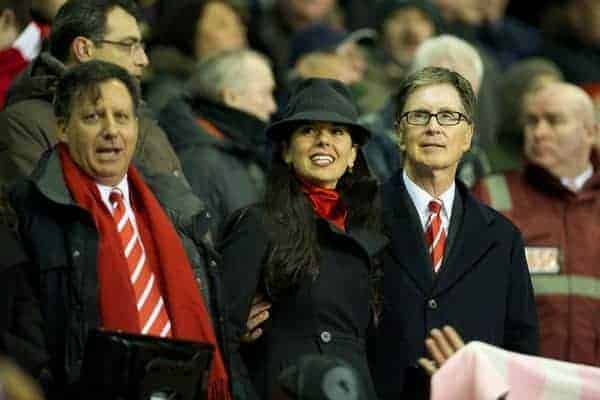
318, 99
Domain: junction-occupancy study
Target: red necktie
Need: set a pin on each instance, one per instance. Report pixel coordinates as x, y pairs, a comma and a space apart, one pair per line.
435, 234
152, 313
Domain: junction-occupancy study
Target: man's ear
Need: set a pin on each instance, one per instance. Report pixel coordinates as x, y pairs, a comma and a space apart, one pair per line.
469, 138
82, 49
401, 144
229, 97
593, 134
400, 137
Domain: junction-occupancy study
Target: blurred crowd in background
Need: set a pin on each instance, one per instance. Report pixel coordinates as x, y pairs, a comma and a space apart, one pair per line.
215, 73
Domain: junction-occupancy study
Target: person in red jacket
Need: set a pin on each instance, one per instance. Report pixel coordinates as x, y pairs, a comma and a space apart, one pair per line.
555, 202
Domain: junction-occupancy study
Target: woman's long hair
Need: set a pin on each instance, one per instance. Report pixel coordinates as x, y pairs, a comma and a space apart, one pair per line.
292, 223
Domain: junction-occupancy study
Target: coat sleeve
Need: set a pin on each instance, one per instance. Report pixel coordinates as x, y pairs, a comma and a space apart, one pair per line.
243, 249
521, 327
207, 175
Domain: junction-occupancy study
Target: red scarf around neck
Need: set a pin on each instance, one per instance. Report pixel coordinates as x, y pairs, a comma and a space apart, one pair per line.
327, 203
187, 312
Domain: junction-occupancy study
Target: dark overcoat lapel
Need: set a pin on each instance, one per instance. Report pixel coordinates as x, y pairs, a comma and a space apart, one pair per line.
483, 288
406, 234
467, 242
471, 242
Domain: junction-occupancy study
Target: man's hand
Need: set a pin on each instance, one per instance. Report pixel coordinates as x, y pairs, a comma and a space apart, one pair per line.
259, 313
441, 344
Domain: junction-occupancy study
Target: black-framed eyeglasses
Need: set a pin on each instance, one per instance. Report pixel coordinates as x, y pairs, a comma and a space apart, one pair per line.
132, 45
444, 118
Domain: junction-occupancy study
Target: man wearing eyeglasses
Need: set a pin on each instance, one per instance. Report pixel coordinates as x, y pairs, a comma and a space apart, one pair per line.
83, 30
452, 260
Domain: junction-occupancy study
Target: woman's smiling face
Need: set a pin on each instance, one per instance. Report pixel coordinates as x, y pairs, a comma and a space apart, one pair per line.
320, 152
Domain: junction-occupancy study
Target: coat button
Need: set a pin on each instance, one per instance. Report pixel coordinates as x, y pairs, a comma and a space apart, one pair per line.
326, 337
76, 253
432, 304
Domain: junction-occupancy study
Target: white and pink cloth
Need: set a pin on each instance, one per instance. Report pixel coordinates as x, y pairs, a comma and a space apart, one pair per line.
483, 372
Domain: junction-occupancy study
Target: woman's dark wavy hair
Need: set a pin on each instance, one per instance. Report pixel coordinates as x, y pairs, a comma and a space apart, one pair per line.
292, 223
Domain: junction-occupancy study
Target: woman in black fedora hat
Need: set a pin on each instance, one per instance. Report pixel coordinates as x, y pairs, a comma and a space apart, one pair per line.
309, 247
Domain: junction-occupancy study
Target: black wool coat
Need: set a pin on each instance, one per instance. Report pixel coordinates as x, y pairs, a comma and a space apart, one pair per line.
483, 288
61, 240
330, 315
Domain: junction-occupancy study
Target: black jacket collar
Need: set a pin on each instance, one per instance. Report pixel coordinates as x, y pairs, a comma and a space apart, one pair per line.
545, 182
48, 178
244, 132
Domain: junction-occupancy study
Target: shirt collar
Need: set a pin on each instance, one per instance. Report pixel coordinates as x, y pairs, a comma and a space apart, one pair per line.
421, 199
29, 42
105, 190
575, 184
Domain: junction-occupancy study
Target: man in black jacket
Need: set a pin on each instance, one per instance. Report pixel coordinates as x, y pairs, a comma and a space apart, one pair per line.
452, 260
105, 254
218, 130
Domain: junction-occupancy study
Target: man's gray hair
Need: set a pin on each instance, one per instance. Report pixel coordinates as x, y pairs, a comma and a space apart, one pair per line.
449, 52
436, 76
225, 70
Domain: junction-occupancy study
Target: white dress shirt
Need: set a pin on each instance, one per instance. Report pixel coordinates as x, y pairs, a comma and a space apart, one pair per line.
575, 184
123, 186
421, 199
